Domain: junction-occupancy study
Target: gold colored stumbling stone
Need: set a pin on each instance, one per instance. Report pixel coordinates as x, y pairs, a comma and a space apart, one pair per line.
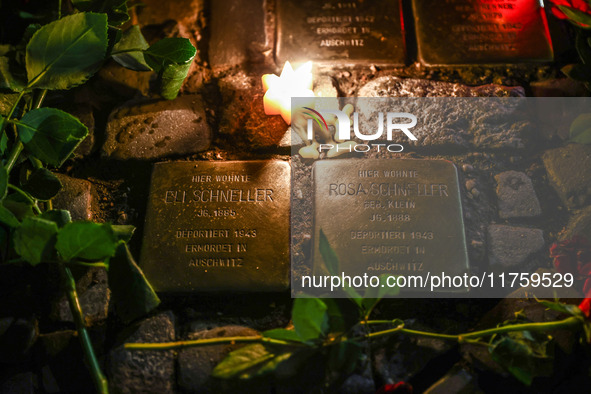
482, 31
218, 226
395, 217
355, 31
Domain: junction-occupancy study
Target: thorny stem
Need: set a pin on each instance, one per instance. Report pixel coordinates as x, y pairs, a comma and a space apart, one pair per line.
18, 146
97, 375
206, 342
569, 323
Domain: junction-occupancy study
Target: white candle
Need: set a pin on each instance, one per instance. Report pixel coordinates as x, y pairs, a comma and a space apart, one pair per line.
280, 89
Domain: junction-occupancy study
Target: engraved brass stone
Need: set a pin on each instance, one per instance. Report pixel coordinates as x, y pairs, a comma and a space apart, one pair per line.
218, 226
356, 31
390, 216
481, 31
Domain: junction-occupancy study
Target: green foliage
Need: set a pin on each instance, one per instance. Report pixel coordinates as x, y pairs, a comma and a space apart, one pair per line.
42, 184
569, 309
171, 58
51, 135
310, 318
131, 292
116, 10
3, 182
524, 357
129, 51
58, 56
86, 240
580, 129
34, 240
575, 15
67, 52
252, 361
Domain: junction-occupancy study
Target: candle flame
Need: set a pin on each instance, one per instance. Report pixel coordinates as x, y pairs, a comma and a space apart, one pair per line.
280, 89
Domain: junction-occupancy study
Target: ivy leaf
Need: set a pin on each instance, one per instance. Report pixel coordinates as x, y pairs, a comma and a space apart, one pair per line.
3, 182
282, 334
171, 58
130, 290
34, 240
580, 129
129, 51
331, 261
251, 361
310, 319
86, 240
578, 72
42, 184
115, 9
50, 134
61, 217
67, 52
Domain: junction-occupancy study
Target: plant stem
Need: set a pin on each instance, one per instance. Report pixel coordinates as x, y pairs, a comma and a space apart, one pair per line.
18, 146
568, 323
99, 379
206, 342
13, 108
27, 196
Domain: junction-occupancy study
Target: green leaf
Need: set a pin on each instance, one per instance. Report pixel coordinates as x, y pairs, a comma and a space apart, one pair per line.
569, 309
132, 294
7, 217
61, 217
3, 181
8, 79
519, 359
50, 134
171, 58
331, 261
86, 240
373, 295
67, 52
42, 184
129, 51
583, 48
115, 9
341, 317
3, 139
18, 205
282, 334
251, 361
580, 129
34, 240
123, 232
578, 72
580, 17
310, 319
343, 357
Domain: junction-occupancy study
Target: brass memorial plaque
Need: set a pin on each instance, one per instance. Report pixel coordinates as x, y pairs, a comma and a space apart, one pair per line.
216, 226
355, 31
390, 216
482, 31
